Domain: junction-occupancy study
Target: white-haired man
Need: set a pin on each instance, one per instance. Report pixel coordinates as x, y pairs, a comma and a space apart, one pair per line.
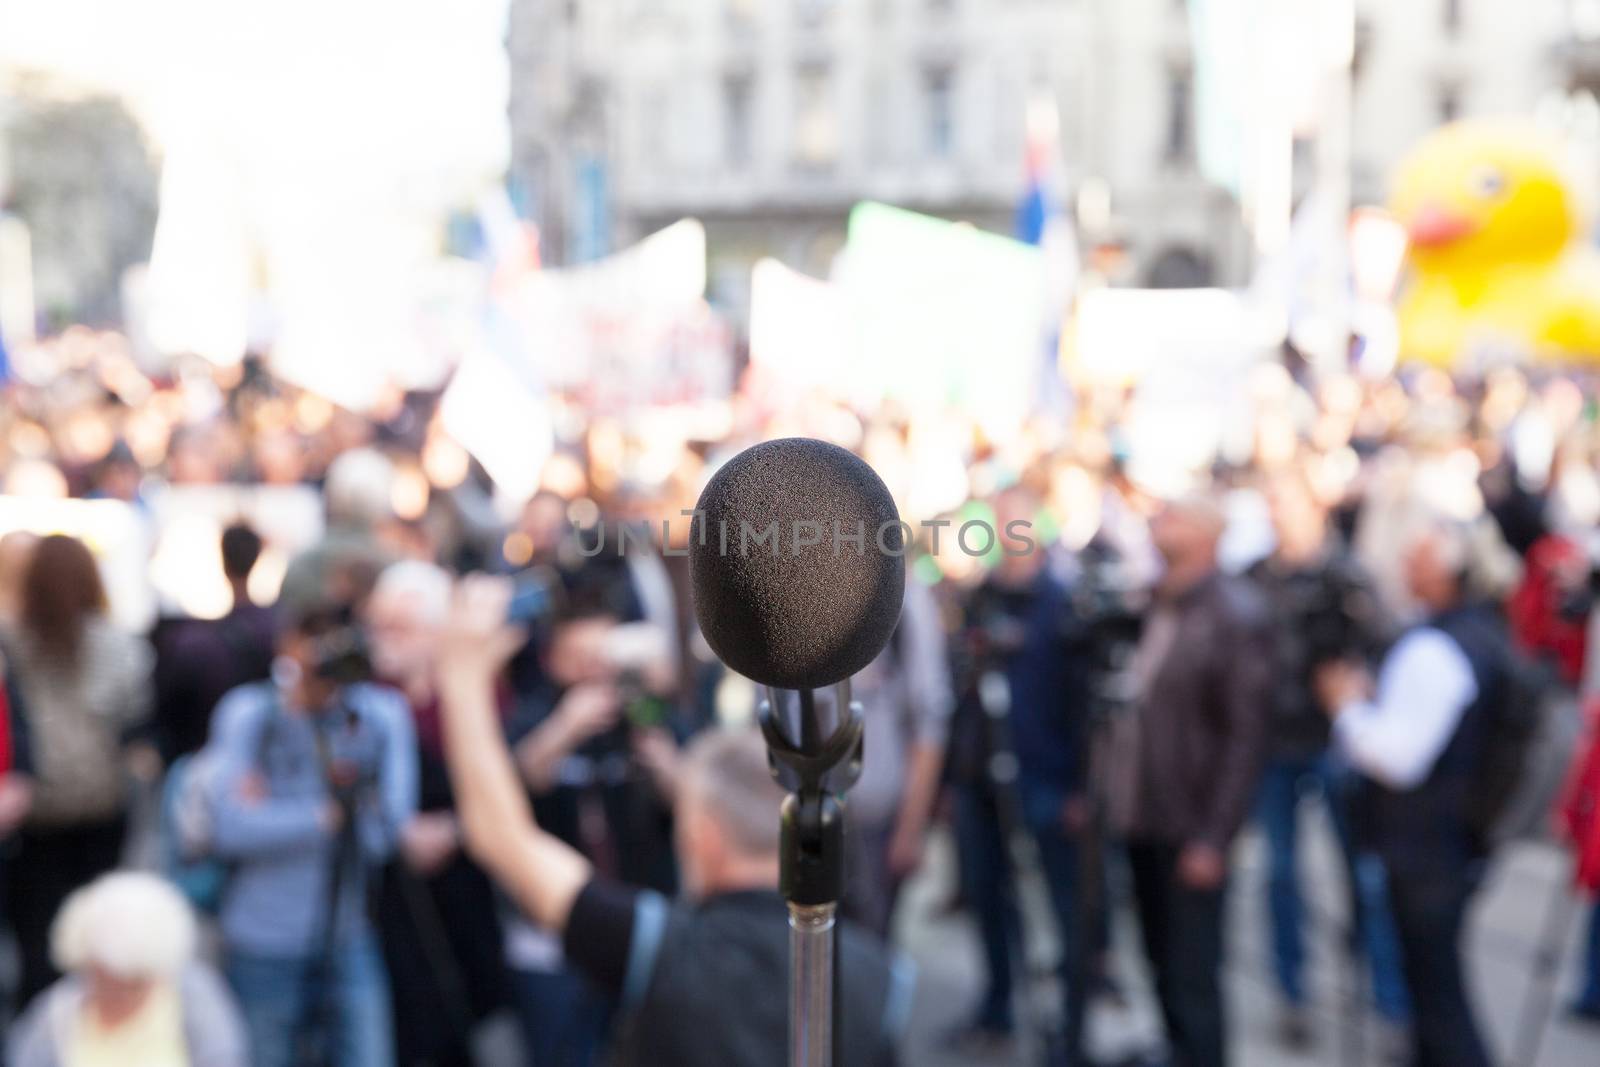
437, 920
698, 984
1420, 737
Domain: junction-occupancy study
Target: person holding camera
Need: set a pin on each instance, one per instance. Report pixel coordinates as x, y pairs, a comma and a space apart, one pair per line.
698, 982
1019, 628
1323, 608
314, 781
593, 746
1425, 735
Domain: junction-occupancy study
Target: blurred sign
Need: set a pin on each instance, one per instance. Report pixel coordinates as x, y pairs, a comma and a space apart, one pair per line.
800, 334
943, 314
630, 330
1188, 353
115, 532
492, 413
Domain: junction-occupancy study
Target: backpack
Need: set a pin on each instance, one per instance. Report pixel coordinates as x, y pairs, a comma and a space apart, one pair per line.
1528, 733
185, 826
185, 833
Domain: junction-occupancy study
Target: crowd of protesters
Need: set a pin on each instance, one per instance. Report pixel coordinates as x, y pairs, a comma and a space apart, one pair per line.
402, 817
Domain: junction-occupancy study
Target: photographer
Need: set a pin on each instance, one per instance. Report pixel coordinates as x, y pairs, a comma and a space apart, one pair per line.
1323, 609
591, 742
701, 983
1424, 735
1020, 623
315, 779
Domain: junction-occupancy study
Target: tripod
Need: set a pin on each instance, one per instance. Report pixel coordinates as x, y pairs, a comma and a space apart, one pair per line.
817, 768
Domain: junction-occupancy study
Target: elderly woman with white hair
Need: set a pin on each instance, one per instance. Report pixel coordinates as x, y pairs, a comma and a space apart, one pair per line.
133, 994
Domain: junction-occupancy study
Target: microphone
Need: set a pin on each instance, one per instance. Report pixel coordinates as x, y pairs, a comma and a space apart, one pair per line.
798, 574
798, 571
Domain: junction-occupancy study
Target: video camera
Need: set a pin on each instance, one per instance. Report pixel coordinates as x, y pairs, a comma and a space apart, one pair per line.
1110, 606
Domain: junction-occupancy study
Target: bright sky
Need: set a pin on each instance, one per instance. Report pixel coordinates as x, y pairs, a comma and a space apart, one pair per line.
319, 140
416, 87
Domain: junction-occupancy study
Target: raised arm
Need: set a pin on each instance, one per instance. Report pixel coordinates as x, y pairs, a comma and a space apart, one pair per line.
543, 874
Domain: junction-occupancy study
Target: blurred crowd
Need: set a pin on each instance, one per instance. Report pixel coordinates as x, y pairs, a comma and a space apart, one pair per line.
1350, 603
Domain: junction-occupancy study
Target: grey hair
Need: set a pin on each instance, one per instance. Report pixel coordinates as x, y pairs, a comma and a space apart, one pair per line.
1485, 567
727, 770
426, 583
131, 923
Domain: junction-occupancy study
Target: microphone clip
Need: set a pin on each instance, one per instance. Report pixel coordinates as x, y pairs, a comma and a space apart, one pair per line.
816, 771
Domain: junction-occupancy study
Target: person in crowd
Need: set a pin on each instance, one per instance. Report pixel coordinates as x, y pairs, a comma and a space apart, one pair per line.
1419, 739
199, 660
16, 549
699, 982
906, 700
1323, 608
134, 993
588, 742
343, 565
16, 768
1579, 820
1189, 760
314, 782
85, 685
441, 933
1020, 623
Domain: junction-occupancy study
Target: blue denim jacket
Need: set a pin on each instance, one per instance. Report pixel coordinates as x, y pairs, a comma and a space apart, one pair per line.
279, 846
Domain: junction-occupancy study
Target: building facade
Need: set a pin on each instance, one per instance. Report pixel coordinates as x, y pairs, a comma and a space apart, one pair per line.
769, 120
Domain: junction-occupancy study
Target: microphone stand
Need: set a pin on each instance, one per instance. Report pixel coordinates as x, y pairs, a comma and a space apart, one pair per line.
817, 770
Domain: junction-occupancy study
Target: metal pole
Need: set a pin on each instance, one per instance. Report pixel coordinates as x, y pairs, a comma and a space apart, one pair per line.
817, 768
811, 985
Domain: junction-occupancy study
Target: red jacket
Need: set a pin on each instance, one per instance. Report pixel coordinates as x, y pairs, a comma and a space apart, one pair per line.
1541, 628
1580, 808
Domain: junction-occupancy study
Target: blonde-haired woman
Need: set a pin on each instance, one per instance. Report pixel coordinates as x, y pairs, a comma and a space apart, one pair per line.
133, 994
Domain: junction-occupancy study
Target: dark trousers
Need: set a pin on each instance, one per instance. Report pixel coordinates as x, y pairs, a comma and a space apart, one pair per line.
1284, 783
1430, 911
48, 865
443, 946
1589, 996
1182, 931
986, 878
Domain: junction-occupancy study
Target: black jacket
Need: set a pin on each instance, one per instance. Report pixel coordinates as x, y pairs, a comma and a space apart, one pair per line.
707, 984
1320, 612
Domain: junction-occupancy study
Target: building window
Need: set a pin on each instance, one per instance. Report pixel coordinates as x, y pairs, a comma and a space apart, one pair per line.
939, 93
656, 115
736, 98
1452, 17
1449, 103
813, 12
1180, 115
816, 120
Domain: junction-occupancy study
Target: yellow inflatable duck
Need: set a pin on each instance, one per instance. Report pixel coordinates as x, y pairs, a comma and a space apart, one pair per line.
1497, 270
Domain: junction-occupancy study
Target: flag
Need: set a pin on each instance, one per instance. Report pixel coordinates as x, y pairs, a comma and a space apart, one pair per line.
1041, 223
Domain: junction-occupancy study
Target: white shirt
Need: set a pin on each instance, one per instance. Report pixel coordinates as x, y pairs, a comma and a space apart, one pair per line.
1424, 688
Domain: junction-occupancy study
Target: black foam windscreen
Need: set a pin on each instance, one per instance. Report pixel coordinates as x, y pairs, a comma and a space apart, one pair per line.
797, 563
